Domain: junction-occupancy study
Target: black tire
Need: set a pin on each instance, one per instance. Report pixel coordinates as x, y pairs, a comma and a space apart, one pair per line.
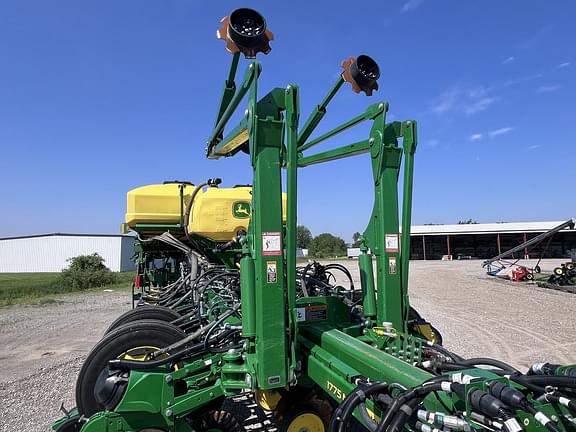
218, 420
537, 269
129, 336
529, 276
160, 313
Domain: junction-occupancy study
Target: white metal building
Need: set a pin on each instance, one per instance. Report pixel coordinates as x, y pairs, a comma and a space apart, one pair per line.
485, 240
50, 252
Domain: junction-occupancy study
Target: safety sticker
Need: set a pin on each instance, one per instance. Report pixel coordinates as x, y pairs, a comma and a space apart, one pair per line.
391, 265
271, 273
391, 243
312, 313
271, 243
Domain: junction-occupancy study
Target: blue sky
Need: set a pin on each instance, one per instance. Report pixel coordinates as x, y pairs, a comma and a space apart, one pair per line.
100, 97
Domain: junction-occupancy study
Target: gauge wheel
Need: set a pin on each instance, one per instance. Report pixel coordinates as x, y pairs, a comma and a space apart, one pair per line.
559, 271
302, 419
132, 341
570, 266
529, 276
218, 421
160, 313
537, 269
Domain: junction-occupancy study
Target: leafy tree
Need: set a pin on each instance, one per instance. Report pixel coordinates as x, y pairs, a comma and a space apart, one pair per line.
356, 239
87, 271
303, 237
327, 245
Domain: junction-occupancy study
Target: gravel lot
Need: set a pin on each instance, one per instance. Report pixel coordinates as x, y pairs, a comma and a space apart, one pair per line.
43, 346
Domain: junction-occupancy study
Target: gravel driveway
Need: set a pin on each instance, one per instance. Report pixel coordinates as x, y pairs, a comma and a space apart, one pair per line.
43, 346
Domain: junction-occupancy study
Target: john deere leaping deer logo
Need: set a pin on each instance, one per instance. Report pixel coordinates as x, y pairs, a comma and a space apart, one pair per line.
241, 209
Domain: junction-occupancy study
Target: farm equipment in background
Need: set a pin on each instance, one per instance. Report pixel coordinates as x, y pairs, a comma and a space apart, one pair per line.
231, 313
563, 278
519, 273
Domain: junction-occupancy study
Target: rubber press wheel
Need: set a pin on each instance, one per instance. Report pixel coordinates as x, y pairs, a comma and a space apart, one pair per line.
160, 313
132, 341
302, 418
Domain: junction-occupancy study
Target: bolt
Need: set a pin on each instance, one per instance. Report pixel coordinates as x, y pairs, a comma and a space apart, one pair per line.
168, 378
553, 418
526, 422
371, 141
251, 66
381, 106
169, 413
408, 123
246, 112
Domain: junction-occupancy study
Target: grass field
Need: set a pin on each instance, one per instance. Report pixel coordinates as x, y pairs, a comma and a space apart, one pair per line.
16, 288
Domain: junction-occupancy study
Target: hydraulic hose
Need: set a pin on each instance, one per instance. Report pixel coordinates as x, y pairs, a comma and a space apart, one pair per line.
209, 182
568, 403
550, 380
414, 393
488, 362
343, 413
404, 413
139, 365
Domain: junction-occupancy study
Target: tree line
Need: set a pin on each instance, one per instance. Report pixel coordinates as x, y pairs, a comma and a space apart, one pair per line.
324, 245
328, 245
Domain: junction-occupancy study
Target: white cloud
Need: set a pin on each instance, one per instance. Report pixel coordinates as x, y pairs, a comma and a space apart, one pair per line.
534, 146
465, 100
548, 89
411, 5
479, 105
500, 131
522, 79
509, 60
563, 65
475, 137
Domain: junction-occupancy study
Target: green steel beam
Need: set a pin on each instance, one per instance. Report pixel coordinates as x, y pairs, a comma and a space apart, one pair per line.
229, 87
409, 134
383, 234
291, 118
233, 141
318, 112
371, 112
367, 360
357, 148
250, 76
266, 231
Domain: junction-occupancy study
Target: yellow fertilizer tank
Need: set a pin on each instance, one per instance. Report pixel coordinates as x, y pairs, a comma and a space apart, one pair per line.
217, 213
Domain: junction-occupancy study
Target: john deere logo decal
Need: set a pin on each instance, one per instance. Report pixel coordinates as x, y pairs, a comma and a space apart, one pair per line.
241, 210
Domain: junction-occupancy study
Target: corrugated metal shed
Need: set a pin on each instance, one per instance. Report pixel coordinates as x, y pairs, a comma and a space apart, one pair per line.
50, 252
485, 228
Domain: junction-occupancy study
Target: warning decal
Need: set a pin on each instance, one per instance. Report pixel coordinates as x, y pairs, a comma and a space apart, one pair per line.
391, 243
271, 243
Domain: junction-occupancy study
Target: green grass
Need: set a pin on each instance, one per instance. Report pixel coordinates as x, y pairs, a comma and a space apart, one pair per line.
17, 288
